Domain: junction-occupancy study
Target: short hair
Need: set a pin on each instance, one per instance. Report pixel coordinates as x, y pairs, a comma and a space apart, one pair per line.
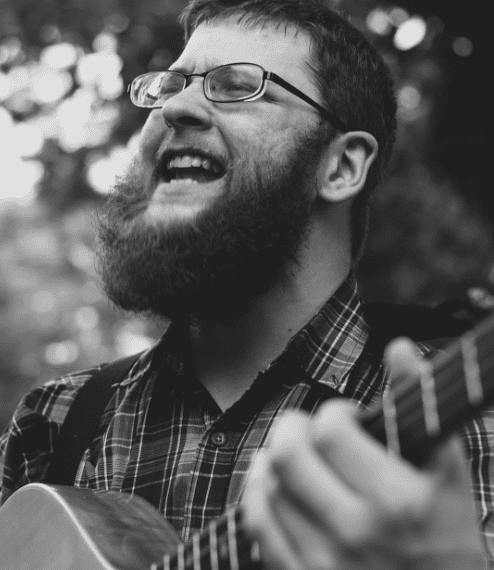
354, 82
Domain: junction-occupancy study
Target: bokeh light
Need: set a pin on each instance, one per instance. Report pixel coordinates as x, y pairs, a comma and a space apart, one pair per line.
26, 139
20, 176
130, 341
102, 169
410, 33
92, 68
60, 56
462, 46
61, 353
49, 85
398, 16
378, 21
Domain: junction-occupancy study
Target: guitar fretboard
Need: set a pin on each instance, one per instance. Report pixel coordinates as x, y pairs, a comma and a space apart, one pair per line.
412, 419
224, 545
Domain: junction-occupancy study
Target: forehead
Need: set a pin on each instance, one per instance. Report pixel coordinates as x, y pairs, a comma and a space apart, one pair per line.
282, 51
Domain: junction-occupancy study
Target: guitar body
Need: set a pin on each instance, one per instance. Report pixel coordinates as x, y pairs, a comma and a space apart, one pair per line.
44, 527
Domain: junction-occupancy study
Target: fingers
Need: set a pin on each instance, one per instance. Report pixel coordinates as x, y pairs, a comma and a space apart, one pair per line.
366, 467
315, 548
326, 495
276, 550
302, 473
448, 462
402, 358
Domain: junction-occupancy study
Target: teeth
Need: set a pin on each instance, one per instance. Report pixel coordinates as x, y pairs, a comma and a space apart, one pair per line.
183, 181
192, 161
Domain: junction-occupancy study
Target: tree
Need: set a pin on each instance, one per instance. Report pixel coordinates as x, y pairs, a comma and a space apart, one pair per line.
66, 119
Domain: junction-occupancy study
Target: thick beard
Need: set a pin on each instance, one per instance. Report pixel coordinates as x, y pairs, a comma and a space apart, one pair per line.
212, 267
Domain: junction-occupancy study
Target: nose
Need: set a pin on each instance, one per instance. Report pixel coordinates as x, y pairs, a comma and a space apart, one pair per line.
189, 108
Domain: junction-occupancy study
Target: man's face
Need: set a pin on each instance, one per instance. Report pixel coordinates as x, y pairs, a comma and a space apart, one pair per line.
209, 246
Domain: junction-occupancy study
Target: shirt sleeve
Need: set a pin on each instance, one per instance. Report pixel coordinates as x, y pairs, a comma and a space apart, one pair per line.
478, 439
27, 443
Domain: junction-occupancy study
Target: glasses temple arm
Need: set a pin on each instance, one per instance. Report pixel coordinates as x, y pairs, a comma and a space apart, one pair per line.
324, 112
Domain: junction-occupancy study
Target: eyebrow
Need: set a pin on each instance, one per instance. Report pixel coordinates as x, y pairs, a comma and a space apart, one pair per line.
210, 64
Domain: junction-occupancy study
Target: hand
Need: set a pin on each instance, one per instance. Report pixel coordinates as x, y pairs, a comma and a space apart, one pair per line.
326, 496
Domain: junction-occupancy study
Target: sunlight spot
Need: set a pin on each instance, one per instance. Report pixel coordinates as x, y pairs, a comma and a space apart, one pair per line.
94, 67
129, 342
409, 97
5, 86
27, 139
397, 16
462, 47
102, 169
410, 33
378, 22
59, 56
60, 353
86, 318
105, 42
49, 85
117, 22
43, 301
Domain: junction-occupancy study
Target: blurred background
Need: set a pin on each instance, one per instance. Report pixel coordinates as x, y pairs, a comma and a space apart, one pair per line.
66, 121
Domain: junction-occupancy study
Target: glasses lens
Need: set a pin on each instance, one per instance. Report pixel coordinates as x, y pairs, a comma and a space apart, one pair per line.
153, 89
234, 82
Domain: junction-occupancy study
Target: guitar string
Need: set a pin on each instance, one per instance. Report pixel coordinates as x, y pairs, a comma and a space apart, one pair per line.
407, 396
244, 554
442, 384
221, 528
414, 403
481, 334
407, 390
448, 390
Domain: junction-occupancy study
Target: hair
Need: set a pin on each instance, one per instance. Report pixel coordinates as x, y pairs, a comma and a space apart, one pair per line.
351, 76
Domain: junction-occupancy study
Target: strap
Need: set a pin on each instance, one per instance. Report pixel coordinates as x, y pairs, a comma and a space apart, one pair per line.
417, 322
432, 325
82, 420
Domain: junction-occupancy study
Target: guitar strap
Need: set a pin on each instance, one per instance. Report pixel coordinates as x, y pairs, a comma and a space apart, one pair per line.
386, 321
82, 420
435, 326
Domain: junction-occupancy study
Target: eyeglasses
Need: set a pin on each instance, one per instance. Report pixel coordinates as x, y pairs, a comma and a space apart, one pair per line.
225, 84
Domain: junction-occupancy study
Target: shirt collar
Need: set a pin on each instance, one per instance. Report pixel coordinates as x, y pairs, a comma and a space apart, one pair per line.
327, 347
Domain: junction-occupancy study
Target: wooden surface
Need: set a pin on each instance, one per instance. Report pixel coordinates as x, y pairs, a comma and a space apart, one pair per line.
46, 527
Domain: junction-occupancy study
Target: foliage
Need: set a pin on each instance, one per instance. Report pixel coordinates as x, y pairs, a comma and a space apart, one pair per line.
65, 120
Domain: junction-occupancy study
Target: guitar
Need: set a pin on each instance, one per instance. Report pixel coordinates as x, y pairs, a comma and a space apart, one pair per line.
47, 527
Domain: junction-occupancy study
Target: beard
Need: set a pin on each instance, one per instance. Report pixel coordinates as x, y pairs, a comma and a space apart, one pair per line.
211, 267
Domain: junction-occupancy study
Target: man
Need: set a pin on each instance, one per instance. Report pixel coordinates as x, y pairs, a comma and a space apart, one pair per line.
241, 217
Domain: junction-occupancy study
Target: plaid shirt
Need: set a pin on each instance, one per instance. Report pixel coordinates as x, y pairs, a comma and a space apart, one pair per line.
163, 437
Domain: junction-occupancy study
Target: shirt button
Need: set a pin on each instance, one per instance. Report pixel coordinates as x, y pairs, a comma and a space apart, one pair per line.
218, 438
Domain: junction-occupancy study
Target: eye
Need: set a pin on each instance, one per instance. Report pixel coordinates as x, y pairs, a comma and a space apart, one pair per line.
234, 82
238, 86
170, 84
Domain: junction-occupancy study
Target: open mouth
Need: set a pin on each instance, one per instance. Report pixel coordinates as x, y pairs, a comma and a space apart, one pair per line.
193, 167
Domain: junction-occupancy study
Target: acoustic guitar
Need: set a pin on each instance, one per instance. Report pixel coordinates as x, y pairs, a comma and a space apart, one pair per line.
45, 527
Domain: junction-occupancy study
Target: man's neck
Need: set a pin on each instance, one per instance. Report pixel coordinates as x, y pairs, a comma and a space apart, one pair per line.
229, 357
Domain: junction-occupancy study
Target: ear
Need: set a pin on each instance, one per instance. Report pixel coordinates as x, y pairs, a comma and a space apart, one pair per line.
344, 169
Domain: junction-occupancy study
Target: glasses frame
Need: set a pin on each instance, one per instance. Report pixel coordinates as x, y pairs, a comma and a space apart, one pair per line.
266, 76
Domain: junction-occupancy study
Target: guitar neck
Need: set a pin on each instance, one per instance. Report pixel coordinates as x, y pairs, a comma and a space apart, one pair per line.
453, 387
224, 545
411, 420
